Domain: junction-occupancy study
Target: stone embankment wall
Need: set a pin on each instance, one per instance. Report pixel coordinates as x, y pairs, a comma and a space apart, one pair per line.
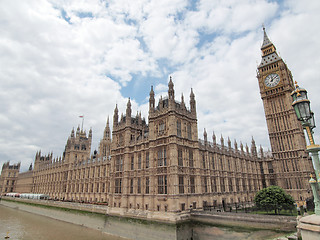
124, 227
134, 225
271, 222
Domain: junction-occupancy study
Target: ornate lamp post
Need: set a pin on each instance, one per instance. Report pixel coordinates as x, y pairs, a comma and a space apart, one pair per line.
301, 105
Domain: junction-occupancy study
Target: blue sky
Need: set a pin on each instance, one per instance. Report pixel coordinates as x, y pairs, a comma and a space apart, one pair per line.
64, 58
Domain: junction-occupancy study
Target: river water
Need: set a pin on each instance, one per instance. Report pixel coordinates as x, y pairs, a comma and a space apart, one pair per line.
20, 225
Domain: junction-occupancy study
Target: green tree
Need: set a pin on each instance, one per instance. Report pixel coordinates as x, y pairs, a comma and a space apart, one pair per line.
273, 198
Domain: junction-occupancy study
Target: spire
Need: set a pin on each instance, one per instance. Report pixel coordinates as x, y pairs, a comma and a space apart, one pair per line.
78, 131
171, 90
222, 141
115, 116
151, 100
192, 102
205, 136
229, 143
214, 140
266, 40
90, 133
253, 147
261, 151
183, 105
235, 145
72, 132
128, 112
269, 54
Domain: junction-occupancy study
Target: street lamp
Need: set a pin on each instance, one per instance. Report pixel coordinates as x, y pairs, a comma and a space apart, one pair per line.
301, 105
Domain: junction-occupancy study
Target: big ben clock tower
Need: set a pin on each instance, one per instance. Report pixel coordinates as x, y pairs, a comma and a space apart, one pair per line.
291, 163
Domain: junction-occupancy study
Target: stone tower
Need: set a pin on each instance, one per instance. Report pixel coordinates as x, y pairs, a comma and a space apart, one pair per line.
78, 146
291, 162
8, 177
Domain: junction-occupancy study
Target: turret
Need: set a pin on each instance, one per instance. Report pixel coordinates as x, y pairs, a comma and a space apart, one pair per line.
90, 133
72, 133
183, 105
205, 136
261, 152
253, 148
78, 131
229, 143
192, 102
151, 100
170, 90
222, 141
106, 134
128, 113
214, 140
115, 116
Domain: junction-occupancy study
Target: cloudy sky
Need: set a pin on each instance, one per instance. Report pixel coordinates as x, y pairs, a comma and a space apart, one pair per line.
60, 59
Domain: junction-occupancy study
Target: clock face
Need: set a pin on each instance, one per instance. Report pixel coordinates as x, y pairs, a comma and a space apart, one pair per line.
272, 80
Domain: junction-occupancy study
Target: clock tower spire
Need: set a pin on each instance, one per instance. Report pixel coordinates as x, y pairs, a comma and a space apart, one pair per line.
291, 162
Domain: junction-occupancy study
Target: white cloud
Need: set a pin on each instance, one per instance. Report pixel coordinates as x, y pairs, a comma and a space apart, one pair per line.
62, 59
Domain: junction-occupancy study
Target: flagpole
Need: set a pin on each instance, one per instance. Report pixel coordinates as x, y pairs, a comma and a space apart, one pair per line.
82, 123
82, 116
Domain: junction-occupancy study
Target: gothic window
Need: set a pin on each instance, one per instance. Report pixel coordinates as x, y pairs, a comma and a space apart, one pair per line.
223, 187
132, 162
181, 185
230, 185
221, 164
178, 128
120, 139
192, 185
212, 162
213, 185
139, 161
270, 167
204, 184
162, 184
147, 159
147, 185
162, 157
180, 159
83, 147
190, 158
244, 186
203, 161
161, 128
118, 182
119, 164
238, 185
189, 131
131, 185
139, 185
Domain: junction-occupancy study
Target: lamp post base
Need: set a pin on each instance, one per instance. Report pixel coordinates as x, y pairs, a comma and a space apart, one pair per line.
310, 227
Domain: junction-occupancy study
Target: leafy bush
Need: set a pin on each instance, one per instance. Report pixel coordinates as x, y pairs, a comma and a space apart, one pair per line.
273, 198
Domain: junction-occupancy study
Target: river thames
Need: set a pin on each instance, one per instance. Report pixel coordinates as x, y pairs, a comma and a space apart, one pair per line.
20, 225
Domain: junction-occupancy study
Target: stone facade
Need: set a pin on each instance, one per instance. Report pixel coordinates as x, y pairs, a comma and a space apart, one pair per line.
8, 177
163, 167
291, 162
24, 182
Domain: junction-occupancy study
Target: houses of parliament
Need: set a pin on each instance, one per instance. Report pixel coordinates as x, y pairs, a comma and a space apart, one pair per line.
162, 165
